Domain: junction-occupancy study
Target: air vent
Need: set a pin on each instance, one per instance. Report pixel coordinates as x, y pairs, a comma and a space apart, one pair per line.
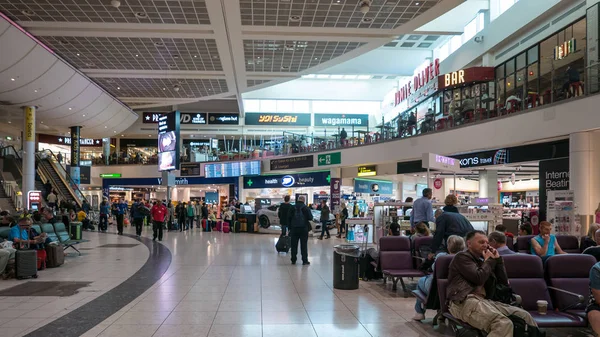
414, 37
432, 37
407, 44
424, 45
532, 35
391, 44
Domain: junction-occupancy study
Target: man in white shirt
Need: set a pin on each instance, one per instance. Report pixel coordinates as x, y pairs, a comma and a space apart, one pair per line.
52, 199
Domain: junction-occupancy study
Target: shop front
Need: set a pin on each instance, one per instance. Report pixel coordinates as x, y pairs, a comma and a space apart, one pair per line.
137, 151
91, 148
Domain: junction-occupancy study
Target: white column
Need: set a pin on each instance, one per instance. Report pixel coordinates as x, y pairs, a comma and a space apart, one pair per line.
106, 149
174, 194
584, 163
488, 185
185, 193
28, 155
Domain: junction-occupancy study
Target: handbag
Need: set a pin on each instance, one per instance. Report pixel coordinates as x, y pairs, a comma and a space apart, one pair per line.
499, 292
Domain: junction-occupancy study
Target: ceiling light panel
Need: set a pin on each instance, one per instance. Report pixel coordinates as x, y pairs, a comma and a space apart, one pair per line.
153, 87
153, 54
328, 13
148, 11
292, 56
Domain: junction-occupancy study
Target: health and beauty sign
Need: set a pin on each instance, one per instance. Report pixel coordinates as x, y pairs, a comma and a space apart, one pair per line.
336, 192
333, 158
292, 163
289, 119
311, 179
342, 120
373, 186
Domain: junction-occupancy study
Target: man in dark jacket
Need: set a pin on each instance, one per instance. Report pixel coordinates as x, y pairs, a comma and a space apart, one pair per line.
446, 224
138, 217
298, 220
283, 214
471, 274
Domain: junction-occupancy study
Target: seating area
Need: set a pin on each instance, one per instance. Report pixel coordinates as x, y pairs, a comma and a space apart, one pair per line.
56, 232
568, 243
396, 260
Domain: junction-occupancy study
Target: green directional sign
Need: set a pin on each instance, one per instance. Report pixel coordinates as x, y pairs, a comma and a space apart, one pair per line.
333, 158
110, 175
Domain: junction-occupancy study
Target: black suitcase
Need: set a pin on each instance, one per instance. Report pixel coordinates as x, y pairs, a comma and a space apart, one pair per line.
283, 244
25, 264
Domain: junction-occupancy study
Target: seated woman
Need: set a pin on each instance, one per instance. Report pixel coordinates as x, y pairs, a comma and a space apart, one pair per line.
421, 229
544, 244
590, 239
455, 244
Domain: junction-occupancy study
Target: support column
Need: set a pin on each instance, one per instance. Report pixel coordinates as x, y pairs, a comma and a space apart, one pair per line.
118, 151
28, 153
106, 150
488, 185
584, 163
75, 155
335, 193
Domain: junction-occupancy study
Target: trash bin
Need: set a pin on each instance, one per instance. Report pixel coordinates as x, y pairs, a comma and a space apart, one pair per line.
345, 267
75, 230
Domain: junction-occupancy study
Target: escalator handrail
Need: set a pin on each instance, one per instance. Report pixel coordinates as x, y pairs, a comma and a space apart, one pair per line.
70, 184
13, 150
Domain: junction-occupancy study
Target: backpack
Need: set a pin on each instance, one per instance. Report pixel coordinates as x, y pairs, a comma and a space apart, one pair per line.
143, 210
298, 221
522, 329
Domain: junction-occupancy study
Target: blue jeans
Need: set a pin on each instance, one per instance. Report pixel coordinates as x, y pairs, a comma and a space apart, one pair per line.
423, 285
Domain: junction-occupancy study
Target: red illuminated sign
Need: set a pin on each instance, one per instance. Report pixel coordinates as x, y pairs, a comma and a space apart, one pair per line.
469, 75
422, 77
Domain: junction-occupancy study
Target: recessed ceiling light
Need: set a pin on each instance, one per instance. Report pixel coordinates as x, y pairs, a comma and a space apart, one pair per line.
316, 58
9, 122
136, 55
12, 79
159, 44
83, 115
149, 135
164, 88
70, 108
416, 3
115, 131
141, 15
118, 88
78, 54
122, 135
27, 12
35, 90
63, 42
90, 64
175, 56
295, 18
42, 122
106, 127
215, 56
285, 67
195, 56
192, 136
171, 65
366, 20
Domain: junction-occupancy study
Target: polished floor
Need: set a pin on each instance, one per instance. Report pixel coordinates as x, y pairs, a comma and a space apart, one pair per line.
217, 285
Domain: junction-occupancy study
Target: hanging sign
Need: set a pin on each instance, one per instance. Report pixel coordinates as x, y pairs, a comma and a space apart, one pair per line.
438, 162
421, 77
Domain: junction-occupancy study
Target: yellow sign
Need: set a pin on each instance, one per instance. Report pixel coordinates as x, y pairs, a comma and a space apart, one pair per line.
454, 78
29, 124
367, 171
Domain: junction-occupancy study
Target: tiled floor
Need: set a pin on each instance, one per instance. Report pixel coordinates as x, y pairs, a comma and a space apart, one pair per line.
225, 285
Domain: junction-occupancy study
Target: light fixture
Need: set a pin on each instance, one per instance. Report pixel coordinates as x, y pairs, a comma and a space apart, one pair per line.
136, 55
295, 18
149, 135
9, 122
159, 44
164, 88
27, 12
122, 135
118, 88
417, 3
70, 108
115, 131
366, 20
141, 15
12, 79
106, 127
195, 56
83, 115
35, 90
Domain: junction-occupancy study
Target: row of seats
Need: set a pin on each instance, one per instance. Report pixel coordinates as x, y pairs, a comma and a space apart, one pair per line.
564, 284
568, 243
56, 232
396, 260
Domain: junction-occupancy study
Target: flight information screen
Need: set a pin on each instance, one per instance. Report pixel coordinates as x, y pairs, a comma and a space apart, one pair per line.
232, 169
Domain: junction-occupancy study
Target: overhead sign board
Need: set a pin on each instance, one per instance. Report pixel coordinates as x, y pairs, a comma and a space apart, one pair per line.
51, 139
290, 119
442, 163
292, 162
224, 118
373, 186
110, 175
312, 179
193, 118
333, 158
357, 120
367, 171
469, 75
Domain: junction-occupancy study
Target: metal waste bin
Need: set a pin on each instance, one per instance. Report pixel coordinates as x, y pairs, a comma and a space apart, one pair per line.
345, 267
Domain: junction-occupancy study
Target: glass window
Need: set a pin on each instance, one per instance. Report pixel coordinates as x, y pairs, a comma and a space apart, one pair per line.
533, 98
510, 85
470, 30
500, 71
501, 93
546, 69
301, 106
252, 105
532, 54
520, 88
521, 60
285, 106
510, 66
268, 105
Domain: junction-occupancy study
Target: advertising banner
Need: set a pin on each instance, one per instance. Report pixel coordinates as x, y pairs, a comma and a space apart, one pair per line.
168, 141
188, 118
554, 176
224, 118
84, 174
189, 169
335, 193
357, 120
312, 179
373, 186
291, 119
292, 163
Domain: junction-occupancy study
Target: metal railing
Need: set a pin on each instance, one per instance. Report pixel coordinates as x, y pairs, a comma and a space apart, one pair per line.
62, 174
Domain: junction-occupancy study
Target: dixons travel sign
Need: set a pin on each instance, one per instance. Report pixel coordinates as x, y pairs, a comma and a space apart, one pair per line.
421, 77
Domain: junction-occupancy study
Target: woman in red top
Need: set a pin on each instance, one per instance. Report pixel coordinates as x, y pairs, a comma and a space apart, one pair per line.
159, 213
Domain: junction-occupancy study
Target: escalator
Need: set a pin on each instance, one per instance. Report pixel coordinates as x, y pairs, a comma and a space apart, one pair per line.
50, 169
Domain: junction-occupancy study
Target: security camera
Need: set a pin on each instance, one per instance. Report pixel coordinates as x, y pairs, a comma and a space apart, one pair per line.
365, 6
115, 3
478, 39
176, 87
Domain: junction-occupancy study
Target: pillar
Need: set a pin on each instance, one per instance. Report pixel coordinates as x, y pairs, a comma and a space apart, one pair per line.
118, 150
28, 153
185, 193
335, 193
75, 155
488, 185
106, 150
584, 164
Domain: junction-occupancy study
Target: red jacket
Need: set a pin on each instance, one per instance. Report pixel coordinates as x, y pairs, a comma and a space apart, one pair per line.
159, 212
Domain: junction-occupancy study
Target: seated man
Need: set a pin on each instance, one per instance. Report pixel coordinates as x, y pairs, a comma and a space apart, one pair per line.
502, 228
525, 229
23, 236
471, 272
455, 244
593, 308
6, 253
497, 241
544, 244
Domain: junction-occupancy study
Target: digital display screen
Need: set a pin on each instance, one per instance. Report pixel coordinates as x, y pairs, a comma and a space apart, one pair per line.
233, 169
167, 161
168, 141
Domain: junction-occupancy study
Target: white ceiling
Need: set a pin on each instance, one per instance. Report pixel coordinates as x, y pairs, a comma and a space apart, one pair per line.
151, 53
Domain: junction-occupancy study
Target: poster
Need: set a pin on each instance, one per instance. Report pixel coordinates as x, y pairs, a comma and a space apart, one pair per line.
335, 193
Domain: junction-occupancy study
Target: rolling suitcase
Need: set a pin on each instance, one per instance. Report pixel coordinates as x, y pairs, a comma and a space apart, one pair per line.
25, 264
283, 244
219, 225
225, 227
41, 259
56, 257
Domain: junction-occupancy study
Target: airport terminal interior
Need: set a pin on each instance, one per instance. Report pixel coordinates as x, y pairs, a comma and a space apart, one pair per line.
299, 168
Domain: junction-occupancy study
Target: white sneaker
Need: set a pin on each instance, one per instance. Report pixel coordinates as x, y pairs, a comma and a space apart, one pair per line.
418, 317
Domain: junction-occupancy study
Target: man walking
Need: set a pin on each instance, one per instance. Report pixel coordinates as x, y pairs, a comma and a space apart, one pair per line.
299, 218
198, 212
422, 209
283, 214
138, 217
121, 210
159, 212
324, 219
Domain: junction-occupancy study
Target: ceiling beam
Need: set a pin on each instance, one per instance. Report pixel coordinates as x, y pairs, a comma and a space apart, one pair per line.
316, 34
140, 30
181, 74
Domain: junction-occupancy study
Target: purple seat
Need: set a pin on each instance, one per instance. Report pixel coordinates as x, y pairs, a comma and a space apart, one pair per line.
396, 260
418, 242
526, 277
570, 273
568, 243
524, 244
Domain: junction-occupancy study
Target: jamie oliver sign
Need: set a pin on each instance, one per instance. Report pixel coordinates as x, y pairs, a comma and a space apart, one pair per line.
421, 77
312, 179
341, 120
373, 186
292, 163
291, 119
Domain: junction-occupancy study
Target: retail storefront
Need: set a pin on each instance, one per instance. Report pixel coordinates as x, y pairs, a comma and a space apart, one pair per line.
549, 71
91, 148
